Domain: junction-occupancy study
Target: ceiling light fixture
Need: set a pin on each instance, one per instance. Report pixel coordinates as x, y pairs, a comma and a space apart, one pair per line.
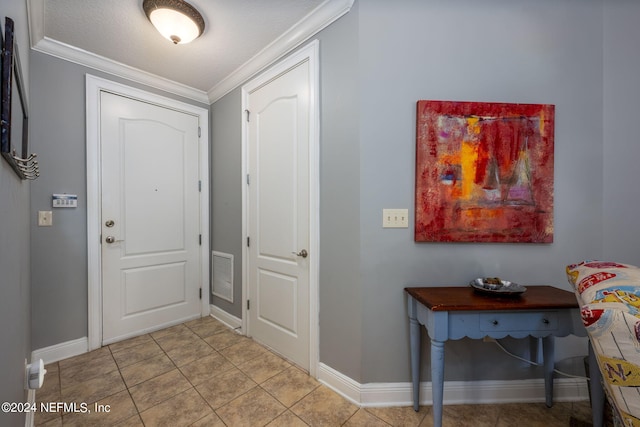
176, 20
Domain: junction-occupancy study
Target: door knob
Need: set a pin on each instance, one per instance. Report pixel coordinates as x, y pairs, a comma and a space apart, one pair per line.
303, 253
109, 223
111, 239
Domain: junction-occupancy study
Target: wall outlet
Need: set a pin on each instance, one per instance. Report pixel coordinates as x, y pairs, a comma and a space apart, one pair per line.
395, 218
45, 218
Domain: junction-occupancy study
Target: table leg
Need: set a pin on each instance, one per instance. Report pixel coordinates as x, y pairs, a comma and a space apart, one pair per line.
437, 380
534, 347
548, 352
414, 339
595, 386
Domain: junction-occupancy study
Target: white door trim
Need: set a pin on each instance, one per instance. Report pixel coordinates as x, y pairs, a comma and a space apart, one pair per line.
309, 53
94, 85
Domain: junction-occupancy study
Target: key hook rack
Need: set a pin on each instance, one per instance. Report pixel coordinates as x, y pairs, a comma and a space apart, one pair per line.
28, 167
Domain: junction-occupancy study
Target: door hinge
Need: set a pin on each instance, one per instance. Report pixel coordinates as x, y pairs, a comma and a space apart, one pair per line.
248, 113
200, 293
200, 239
199, 131
248, 304
248, 244
200, 186
248, 179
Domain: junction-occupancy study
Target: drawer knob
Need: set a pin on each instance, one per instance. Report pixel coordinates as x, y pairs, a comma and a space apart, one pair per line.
545, 321
495, 323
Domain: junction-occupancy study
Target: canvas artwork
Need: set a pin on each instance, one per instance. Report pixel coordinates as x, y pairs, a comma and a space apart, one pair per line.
484, 172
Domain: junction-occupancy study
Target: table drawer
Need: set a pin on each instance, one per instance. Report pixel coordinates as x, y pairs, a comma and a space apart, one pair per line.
535, 321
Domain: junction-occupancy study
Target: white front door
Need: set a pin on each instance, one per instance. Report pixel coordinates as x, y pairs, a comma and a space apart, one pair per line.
278, 138
150, 217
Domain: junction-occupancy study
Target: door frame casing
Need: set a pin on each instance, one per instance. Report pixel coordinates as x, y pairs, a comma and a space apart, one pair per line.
309, 53
94, 86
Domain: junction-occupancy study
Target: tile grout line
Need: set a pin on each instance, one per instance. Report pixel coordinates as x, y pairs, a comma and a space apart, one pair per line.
149, 379
196, 389
127, 387
237, 366
232, 364
373, 415
246, 371
259, 385
193, 386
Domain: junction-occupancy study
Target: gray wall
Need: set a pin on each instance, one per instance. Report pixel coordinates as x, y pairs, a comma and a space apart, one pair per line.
59, 253
621, 146
376, 62
341, 284
226, 223
496, 50
15, 308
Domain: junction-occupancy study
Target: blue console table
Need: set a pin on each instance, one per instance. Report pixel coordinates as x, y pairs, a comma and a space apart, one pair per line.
457, 312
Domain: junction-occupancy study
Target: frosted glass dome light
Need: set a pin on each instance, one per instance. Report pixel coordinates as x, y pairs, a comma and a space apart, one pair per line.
176, 20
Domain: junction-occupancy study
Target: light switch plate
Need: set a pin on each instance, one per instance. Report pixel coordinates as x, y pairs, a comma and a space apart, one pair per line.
395, 218
45, 218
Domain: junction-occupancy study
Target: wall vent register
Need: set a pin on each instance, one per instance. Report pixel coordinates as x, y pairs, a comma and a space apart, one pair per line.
222, 274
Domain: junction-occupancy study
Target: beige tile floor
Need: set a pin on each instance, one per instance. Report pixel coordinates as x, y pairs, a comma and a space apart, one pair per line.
201, 373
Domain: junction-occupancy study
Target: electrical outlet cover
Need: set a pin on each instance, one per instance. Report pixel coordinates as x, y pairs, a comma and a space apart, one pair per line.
45, 218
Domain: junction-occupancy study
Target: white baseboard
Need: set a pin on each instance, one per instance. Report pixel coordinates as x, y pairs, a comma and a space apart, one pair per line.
455, 392
72, 348
61, 351
340, 383
228, 319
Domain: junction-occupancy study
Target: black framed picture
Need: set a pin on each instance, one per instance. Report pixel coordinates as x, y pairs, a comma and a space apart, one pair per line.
14, 115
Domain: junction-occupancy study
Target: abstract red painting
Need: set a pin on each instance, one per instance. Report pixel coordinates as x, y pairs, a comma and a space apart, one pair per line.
484, 172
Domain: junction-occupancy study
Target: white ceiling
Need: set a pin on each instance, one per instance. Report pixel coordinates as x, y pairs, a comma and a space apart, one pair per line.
240, 38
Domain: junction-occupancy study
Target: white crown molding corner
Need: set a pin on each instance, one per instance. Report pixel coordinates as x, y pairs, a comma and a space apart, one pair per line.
230, 320
321, 17
35, 14
61, 351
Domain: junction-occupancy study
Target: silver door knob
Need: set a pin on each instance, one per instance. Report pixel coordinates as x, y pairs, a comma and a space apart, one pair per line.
110, 239
109, 223
303, 253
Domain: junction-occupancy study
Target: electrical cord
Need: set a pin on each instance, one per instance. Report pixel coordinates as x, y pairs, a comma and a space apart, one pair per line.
537, 364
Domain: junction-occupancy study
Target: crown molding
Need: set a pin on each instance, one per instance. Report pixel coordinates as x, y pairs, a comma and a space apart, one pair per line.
41, 43
315, 21
100, 63
321, 17
35, 15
